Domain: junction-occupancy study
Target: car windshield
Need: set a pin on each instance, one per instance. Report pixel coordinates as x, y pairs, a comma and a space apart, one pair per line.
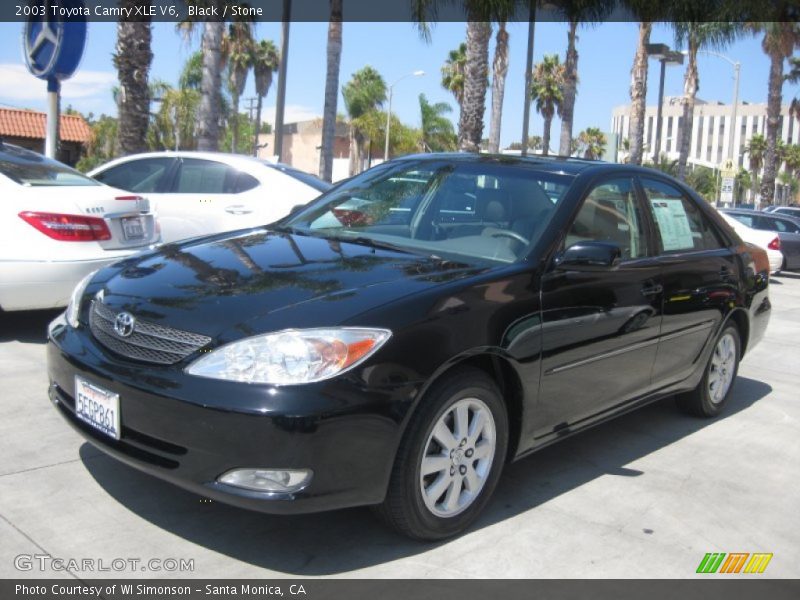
30, 169
488, 210
302, 176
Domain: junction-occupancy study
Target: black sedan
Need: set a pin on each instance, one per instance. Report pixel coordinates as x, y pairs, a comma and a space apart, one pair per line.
787, 228
400, 339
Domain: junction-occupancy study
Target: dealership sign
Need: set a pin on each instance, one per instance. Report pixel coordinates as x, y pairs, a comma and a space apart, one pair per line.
53, 47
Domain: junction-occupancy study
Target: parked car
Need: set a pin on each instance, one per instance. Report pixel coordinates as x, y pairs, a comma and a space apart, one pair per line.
400, 359
789, 211
787, 228
57, 226
767, 240
198, 193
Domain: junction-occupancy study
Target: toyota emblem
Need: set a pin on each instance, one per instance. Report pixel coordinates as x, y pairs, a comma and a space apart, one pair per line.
124, 324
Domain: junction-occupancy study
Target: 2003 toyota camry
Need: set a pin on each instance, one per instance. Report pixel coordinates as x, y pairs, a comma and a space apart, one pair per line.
398, 340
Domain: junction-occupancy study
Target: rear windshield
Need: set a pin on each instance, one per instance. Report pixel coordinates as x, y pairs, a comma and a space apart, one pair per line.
31, 169
302, 176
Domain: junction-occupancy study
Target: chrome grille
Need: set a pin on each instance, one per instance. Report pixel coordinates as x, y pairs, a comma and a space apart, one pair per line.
149, 342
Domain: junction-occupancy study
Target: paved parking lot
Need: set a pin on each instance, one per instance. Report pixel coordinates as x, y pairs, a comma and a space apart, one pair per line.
644, 496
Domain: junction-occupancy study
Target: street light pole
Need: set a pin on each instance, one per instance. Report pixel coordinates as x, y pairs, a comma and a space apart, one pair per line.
389, 111
659, 110
526, 108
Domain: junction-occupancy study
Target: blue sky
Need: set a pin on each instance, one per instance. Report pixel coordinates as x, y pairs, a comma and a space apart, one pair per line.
395, 49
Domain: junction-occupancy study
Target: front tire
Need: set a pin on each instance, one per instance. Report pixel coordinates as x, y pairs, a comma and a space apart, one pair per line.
450, 459
712, 394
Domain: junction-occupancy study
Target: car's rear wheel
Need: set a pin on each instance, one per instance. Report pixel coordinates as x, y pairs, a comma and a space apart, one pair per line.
712, 394
450, 459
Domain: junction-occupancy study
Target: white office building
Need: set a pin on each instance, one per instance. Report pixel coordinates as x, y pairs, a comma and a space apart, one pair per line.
711, 130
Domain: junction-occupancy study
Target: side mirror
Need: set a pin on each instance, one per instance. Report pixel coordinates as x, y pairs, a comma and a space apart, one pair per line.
297, 208
591, 254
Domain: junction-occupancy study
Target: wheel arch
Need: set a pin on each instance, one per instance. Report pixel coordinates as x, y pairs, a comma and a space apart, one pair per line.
502, 372
740, 318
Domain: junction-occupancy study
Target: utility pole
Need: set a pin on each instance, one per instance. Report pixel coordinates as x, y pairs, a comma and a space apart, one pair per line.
280, 104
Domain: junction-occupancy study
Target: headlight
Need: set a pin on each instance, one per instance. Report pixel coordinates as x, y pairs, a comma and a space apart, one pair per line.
292, 356
74, 306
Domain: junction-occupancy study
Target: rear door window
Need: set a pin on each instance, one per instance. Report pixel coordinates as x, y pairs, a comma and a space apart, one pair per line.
144, 176
680, 224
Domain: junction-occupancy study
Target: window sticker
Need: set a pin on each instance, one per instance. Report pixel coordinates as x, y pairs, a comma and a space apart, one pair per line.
673, 223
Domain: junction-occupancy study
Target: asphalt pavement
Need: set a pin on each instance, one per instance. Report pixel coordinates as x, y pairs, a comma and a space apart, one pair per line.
647, 495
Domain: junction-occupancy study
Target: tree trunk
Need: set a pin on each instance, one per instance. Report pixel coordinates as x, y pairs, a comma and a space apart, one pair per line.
331, 91
355, 153
235, 124
500, 69
548, 121
210, 87
258, 124
132, 60
567, 109
639, 95
470, 125
691, 83
774, 98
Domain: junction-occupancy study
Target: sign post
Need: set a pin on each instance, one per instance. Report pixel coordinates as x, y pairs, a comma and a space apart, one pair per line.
53, 48
728, 174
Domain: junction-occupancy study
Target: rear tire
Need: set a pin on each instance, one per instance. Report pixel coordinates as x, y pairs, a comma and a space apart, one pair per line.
712, 394
450, 459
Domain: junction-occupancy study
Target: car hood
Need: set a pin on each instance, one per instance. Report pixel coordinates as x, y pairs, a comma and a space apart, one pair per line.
232, 285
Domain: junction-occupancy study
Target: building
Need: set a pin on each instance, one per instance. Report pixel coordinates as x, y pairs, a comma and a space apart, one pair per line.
27, 128
302, 142
711, 130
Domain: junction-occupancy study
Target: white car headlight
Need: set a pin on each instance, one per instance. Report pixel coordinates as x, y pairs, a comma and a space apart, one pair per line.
74, 306
291, 356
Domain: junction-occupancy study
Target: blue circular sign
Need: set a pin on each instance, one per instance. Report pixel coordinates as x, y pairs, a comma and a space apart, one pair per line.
53, 46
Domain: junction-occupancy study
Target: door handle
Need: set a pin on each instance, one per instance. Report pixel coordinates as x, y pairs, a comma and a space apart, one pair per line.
652, 290
238, 209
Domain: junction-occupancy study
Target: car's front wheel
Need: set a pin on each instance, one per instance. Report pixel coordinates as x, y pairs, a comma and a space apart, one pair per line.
450, 459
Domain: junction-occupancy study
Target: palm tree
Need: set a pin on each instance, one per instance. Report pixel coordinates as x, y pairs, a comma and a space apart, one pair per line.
593, 141
237, 48
780, 40
266, 61
646, 11
499, 72
437, 132
793, 77
470, 124
363, 94
576, 12
132, 61
546, 90
208, 115
453, 72
756, 148
697, 36
192, 73
334, 58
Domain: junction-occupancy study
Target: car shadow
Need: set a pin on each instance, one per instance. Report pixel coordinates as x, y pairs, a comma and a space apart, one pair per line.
28, 326
345, 540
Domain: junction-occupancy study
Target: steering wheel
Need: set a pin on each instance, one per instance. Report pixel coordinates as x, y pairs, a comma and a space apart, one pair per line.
511, 234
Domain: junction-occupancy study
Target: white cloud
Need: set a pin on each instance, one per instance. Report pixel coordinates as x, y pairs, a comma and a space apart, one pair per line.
20, 85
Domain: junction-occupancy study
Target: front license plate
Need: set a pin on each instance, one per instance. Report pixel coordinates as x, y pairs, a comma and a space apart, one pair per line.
133, 228
97, 407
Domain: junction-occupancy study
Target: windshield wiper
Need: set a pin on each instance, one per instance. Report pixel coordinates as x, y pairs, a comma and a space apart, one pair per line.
368, 241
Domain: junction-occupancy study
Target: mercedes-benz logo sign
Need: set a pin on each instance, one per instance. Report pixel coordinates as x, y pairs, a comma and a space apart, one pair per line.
124, 324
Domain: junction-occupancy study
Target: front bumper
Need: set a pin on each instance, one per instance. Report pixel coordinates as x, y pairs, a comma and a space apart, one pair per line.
189, 431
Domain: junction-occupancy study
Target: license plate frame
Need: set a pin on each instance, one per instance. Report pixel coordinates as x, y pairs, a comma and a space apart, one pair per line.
132, 228
98, 407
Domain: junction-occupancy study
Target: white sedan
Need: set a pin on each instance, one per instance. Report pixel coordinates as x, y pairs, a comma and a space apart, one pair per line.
57, 226
198, 193
768, 240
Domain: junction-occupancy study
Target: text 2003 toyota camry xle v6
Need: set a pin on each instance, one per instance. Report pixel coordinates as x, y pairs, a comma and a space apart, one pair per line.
402, 337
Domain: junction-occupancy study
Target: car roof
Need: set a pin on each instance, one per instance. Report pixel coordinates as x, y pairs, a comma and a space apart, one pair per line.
760, 213
569, 165
224, 157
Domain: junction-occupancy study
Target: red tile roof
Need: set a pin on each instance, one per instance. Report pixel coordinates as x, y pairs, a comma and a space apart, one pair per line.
16, 122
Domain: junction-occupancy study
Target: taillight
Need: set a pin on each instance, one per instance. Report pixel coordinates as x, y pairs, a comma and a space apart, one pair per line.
128, 198
775, 244
68, 228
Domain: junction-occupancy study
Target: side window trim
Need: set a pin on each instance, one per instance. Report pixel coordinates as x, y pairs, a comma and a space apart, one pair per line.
722, 239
